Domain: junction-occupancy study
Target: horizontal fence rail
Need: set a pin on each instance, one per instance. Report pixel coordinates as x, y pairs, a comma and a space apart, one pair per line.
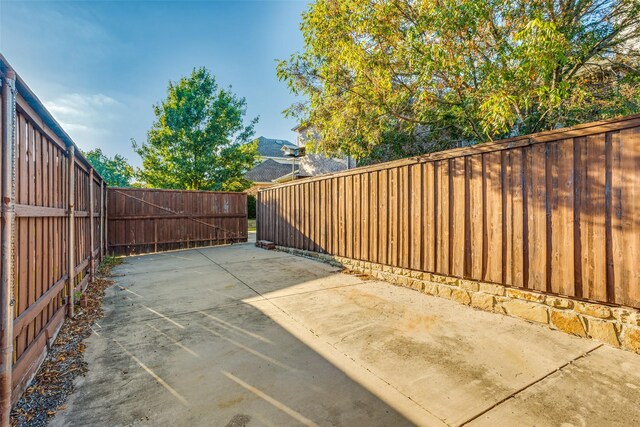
53, 231
151, 220
556, 212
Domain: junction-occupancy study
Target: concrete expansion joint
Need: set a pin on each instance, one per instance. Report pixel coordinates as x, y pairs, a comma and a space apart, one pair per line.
529, 385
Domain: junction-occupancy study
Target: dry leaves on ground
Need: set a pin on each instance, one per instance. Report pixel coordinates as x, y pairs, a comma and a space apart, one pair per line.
55, 379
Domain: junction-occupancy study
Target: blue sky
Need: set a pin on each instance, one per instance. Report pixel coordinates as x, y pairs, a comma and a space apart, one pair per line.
100, 65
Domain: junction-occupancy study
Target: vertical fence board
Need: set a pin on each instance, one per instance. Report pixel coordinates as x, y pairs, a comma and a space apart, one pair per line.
430, 217
537, 222
404, 217
625, 215
416, 230
592, 218
493, 228
443, 238
357, 215
348, 208
374, 224
476, 207
383, 217
458, 219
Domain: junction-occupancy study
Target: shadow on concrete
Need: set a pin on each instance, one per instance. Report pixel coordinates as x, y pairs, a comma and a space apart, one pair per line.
183, 342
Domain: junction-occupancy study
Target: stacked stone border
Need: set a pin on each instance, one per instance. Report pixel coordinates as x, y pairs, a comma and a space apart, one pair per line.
616, 326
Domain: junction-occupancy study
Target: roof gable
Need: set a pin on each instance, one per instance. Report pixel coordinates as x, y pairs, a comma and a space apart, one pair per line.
267, 171
268, 147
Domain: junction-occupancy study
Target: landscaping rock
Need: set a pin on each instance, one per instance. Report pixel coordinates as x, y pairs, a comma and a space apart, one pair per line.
558, 302
632, 339
524, 295
526, 310
593, 310
461, 296
490, 288
483, 301
603, 331
567, 321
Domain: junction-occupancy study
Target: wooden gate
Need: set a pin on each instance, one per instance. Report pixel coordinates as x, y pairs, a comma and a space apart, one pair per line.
152, 220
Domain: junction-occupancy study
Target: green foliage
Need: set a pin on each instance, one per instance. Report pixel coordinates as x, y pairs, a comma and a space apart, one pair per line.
199, 140
108, 262
401, 77
116, 171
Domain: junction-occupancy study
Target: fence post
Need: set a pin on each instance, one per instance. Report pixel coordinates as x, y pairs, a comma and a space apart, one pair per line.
92, 223
258, 228
102, 219
7, 302
106, 220
72, 229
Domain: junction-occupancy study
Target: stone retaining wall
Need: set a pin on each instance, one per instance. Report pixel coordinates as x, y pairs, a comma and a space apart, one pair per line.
616, 326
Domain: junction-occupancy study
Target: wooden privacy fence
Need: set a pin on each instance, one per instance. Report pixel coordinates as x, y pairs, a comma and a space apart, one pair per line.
52, 231
556, 212
150, 220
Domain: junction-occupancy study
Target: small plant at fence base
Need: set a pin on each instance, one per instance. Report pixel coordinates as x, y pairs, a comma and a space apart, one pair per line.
108, 262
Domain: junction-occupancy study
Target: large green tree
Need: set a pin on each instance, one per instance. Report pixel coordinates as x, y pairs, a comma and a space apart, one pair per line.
199, 140
391, 78
116, 171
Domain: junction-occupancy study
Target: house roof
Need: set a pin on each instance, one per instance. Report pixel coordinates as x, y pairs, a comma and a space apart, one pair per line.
268, 147
268, 170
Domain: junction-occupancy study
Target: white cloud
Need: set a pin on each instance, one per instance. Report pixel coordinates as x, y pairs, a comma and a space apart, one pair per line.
87, 118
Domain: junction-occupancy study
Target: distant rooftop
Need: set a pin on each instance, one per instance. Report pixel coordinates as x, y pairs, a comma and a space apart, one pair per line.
268, 170
268, 147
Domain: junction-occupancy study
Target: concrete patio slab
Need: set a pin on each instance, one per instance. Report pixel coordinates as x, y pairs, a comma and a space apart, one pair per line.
237, 335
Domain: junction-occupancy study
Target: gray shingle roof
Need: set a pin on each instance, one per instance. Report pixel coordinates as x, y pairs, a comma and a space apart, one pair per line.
267, 171
268, 147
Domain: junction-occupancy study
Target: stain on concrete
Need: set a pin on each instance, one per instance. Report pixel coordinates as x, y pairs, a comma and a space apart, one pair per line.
239, 420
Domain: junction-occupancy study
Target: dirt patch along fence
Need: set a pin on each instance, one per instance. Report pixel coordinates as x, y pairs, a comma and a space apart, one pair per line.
52, 231
151, 220
556, 212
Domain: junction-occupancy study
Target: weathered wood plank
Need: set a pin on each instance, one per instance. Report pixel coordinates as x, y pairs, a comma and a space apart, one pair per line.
415, 235
626, 216
442, 217
430, 217
476, 223
562, 235
458, 219
537, 220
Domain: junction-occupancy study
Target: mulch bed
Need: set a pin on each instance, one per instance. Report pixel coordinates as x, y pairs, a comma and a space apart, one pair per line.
54, 381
